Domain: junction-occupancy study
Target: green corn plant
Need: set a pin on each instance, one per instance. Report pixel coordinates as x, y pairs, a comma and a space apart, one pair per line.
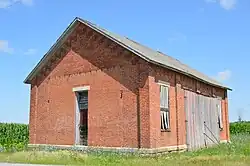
13, 136
240, 127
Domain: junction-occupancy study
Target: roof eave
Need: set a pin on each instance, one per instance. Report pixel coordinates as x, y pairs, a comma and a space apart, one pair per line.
69, 29
57, 44
190, 75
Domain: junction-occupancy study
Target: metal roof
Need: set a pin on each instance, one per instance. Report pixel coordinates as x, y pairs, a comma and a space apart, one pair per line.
144, 52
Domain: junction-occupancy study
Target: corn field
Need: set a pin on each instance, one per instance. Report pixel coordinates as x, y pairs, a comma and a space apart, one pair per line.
240, 127
13, 136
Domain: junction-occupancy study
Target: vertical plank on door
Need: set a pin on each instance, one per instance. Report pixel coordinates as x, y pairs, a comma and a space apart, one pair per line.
202, 116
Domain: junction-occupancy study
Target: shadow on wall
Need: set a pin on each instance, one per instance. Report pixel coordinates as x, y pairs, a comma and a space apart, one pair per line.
102, 54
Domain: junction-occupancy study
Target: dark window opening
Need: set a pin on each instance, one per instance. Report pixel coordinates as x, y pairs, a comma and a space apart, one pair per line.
164, 107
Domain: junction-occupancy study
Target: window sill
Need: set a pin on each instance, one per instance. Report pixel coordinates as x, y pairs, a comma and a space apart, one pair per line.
167, 130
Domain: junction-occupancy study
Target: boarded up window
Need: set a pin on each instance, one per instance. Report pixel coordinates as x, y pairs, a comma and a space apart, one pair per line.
164, 105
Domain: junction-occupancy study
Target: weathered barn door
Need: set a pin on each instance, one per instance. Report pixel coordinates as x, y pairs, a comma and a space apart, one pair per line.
201, 120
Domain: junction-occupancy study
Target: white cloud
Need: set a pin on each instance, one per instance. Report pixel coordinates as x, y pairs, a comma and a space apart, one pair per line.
226, 4
30, 51
4, 3
223, 75
9, 3
4, 47
27, 2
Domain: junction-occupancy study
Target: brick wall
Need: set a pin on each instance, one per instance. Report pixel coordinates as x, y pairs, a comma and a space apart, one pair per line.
112, 119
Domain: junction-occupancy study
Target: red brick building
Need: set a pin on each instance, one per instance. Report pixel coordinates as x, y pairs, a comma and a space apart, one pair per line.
123, 94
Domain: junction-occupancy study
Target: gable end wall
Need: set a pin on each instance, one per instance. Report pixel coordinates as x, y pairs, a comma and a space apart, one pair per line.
118, 83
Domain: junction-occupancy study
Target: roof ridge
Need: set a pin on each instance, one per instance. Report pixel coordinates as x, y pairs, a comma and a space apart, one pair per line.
164, 54
141, 50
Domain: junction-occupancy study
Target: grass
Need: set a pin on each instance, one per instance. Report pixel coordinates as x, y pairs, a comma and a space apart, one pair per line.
235, 154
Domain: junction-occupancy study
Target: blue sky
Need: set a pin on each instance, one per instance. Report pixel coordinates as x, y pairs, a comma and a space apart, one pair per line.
212, 36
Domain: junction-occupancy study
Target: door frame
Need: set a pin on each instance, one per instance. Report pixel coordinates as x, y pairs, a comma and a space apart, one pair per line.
77, 111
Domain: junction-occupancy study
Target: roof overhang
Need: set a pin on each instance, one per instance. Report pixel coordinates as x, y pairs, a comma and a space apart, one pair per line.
71, 28
54, 47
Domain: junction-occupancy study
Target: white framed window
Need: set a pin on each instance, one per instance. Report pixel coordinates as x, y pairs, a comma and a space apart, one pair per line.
219, 111
164, 107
